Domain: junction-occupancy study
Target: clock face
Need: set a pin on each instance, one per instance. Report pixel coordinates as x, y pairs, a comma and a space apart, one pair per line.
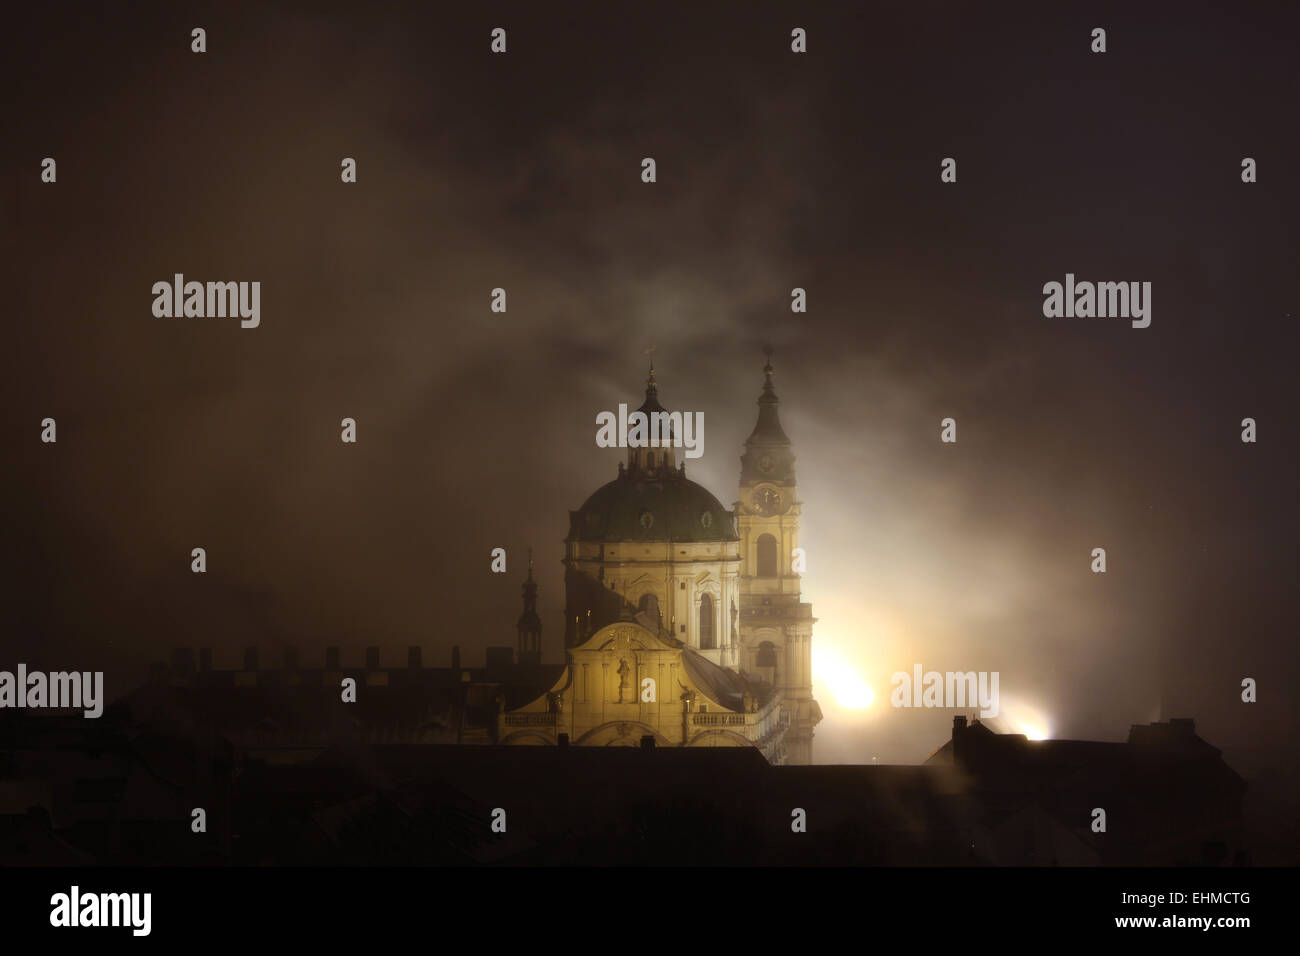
766, 463
767, 501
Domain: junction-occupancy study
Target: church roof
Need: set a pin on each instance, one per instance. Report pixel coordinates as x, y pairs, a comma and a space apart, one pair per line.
768, 430
644, 508
722, 684
647, 503
768, 454
651, 403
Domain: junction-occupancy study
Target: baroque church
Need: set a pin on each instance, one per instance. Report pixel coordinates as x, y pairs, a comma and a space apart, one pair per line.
684, 623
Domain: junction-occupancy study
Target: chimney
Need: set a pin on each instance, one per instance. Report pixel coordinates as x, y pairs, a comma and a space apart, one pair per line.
291, 658
250, 658
455, 657
332, 658
372, 658
647, 741
958, 729
205, 659
562, 740
414, 658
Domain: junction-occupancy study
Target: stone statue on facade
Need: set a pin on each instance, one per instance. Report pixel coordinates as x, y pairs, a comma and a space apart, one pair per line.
623, 672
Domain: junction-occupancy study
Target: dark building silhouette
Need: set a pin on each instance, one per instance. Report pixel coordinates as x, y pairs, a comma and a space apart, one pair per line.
1168, 796
121, 790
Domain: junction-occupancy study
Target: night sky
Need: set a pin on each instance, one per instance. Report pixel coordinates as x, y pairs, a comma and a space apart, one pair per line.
476, 430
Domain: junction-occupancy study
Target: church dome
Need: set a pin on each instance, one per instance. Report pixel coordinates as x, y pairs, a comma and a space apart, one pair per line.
644, 508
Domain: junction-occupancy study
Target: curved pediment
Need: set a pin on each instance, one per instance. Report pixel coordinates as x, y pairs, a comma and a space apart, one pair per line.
625, 636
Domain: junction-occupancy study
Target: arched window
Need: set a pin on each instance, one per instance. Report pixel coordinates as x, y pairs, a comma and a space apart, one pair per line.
766, 655
766, 556
707, 641
649, 605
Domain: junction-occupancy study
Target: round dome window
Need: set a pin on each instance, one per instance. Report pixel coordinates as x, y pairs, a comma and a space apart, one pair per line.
647, 520
706, 520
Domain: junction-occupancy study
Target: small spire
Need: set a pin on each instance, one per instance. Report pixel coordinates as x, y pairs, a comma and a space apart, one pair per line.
529, 624
650, 381
768, 430
769, 393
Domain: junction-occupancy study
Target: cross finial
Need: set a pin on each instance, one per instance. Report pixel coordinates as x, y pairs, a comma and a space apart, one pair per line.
767, 350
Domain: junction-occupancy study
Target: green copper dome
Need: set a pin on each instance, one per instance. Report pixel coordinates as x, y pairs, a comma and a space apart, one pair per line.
652, 499
670, 508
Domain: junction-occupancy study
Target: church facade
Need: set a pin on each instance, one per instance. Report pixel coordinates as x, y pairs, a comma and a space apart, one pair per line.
684, 624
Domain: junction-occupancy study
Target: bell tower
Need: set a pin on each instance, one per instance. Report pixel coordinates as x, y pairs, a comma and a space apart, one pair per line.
775, 626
